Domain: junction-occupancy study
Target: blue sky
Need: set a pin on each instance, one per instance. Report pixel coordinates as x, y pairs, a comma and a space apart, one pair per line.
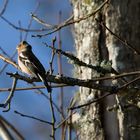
26, 101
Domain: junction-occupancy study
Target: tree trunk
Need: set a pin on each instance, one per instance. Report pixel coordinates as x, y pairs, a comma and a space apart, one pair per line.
88, 43
123, 18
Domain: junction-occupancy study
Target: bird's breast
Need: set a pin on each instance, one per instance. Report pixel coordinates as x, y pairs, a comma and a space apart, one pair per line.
24, 68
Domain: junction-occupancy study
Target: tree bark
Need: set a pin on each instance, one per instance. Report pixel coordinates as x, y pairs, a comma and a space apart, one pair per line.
87, 36
123, 18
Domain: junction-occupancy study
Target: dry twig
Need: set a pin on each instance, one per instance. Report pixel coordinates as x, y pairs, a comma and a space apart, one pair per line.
7, 60
4, 7
116, 90
70, 21
32, 117
8, 100
9, 125
126, 43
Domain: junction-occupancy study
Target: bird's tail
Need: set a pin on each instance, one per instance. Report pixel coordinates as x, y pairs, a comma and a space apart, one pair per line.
46, 84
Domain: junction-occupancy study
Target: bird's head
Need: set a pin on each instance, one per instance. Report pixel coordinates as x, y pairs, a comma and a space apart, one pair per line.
23, 46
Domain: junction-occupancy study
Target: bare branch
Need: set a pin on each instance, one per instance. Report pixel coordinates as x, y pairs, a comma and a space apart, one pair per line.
10, 58
9, 125
50, 94
70, 22
116, 90
91, 102
78, 62
42, 22
8, 100
32, 117
7, 60
30, 22
4, 7
32, 88
4, 52
22, 29
60, 72
67, 80
136, 51
4, 132
62, 122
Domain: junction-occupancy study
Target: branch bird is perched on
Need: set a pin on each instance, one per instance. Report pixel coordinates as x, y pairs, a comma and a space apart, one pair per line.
30, 64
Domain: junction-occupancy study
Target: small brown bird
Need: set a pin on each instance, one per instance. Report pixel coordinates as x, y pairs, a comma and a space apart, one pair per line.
30, 64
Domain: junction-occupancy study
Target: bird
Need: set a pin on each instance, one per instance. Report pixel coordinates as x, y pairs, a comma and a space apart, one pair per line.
30, 64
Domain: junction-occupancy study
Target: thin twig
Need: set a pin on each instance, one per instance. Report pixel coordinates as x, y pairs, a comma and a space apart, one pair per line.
49, 26
70, 126
22, 29
10, 58
52, 57
77, 61
126, 43
32, 88
9, 125
91, 102
4, 132
42, 22
46, 96
32, 117
4, 52
70, 22
50, 94
127, 84
4, 7
67, 80
70, 112
102, 97
57, 27
60, 72
20, 32
30, 22
7, 60
61, 123
8, 100
116, 76
53, 118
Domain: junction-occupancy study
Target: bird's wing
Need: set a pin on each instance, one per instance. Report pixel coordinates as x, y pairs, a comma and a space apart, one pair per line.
34, 65
32, 62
